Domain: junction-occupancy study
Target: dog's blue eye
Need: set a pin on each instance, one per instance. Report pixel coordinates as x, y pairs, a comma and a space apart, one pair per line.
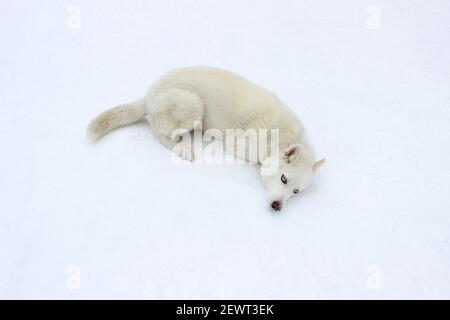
296, 191
283, 179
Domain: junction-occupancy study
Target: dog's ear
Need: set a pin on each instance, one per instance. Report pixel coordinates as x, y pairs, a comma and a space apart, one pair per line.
293, 153
318, 164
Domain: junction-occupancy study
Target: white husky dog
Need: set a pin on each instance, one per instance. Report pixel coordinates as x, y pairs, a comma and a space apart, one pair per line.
218, 99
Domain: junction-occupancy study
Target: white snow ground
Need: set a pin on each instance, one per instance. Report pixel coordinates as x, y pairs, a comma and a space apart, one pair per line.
119, 220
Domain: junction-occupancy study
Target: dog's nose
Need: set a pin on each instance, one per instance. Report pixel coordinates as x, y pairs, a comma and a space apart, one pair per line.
276, 205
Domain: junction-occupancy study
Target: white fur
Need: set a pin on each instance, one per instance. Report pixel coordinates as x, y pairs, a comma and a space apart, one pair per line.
222, 100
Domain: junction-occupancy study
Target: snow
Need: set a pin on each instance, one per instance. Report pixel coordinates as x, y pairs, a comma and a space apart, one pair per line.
118, 219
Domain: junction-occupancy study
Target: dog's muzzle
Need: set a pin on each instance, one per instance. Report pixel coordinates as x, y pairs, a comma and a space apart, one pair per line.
276, 205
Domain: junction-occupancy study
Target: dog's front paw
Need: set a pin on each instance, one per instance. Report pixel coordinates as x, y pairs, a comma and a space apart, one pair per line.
186, 154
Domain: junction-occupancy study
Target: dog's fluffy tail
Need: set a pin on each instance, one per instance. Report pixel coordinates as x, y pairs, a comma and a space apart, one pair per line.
119, 116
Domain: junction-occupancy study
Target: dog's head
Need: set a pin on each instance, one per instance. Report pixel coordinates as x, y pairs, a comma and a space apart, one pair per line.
293, 175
